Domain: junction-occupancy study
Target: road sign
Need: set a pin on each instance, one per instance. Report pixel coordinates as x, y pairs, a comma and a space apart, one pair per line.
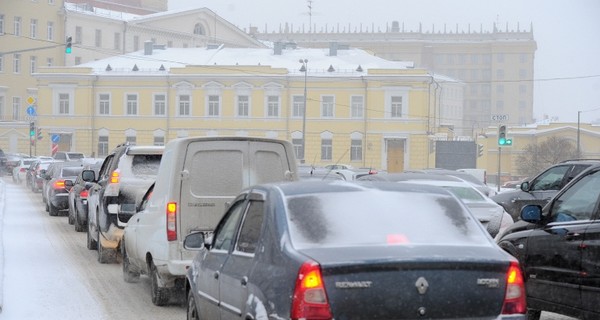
30, 100
55, 138
31, 111
499, 117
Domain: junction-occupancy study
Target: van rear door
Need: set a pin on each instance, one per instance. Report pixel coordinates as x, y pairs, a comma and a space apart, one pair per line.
216, 171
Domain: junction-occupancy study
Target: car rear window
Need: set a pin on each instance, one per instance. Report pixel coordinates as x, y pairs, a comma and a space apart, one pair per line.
145, 164
71, 171
380, 218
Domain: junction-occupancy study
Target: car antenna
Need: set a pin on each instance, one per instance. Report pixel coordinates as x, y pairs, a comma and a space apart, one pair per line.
336, 163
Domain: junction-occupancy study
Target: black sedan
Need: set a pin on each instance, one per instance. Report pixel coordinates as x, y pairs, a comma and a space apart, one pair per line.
367, 250
78, 196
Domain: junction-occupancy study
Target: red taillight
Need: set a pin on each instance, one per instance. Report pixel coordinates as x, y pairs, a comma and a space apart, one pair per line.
23, 170
83, 194
59, 184
172, 221
514, 298
310, 299
115, 176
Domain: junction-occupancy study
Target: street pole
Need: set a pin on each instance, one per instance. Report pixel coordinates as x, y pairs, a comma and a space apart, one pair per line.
305, 69
578, 132
499, 168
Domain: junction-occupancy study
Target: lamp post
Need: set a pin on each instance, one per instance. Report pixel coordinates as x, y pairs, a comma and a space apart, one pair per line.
578, 132
304, 69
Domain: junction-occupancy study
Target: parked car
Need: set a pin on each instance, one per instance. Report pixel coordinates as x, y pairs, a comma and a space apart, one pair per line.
344, 250
20, 169
55, 190
309, 172
197, 179
12, 160
68, 156
491, 215
557, 246
78, 196
466, 176
116, 192
542, 187
2, 162
33, 177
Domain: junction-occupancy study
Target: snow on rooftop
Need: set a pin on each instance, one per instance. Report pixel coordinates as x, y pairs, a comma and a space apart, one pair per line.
319, 60
99, 12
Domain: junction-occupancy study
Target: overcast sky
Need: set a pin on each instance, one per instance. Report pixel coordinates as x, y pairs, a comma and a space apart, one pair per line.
567, 32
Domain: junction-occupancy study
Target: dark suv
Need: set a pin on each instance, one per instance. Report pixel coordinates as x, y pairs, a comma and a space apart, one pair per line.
542, 187
116, 192
559, 251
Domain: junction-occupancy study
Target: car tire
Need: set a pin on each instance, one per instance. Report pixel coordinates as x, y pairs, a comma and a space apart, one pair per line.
106, 255
52, 210
91, 243
71, 218
128, 275
533, 314
79, 227
192, 309
160, 295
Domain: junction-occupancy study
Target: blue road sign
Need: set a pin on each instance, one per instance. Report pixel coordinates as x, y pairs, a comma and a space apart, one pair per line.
55, 138
31, 111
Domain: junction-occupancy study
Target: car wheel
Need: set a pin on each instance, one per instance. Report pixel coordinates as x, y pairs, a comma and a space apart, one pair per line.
192, 310
160, 295
79, 227
128, 275
91, 243
52, 210
106, 255
533, 314
71, 218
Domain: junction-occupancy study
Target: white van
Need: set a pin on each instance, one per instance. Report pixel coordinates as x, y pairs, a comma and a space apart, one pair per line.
197, 178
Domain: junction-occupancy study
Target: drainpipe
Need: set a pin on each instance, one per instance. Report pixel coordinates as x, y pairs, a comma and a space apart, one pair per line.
365, 122
93, 112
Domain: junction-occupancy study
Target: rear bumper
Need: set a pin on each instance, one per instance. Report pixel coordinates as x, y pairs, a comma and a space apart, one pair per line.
171, 270
60, 201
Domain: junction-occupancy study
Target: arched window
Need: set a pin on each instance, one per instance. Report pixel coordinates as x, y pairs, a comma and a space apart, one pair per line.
199, 30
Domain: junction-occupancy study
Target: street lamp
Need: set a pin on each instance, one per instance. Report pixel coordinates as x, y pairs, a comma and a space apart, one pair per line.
304, 69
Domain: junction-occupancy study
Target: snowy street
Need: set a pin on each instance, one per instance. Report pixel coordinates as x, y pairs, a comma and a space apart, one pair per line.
50, 274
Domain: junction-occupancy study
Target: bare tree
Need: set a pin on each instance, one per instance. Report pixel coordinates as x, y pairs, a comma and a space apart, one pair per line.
540, 156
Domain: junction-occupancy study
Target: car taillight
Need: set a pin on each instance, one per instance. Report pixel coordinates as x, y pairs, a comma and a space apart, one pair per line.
172, 221
23, 170
514, 298
59, 184
310, 299
115, 176
83, 194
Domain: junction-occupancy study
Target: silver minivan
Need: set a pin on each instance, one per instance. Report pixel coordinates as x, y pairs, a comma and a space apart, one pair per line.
197, 179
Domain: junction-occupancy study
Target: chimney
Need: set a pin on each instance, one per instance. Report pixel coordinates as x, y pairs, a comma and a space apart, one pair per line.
333, 48
278, 48
148, 46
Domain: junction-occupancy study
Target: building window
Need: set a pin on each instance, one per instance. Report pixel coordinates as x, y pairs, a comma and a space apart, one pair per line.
297, 106
396, 106
500, 89
160, 104
486, 74
485, 89
136, 43
297, 143
131, 140
98, 38
327, 105
522, 74
184, 105
326, 149
32, 64
522, 105
357, 106
17, 26
199, 30
522, 89
1, 24
78, 34
474, 89
474, 59
273, 106
500, 57
499, 105
50, 30
102, 146
213, 106
63, 103
1, 64
117, 41
132, 104
104, 103
16, 63
33, 29
243, 106
356, 150
16, 108
50, 62
523, 58
474, 75
159, 141
500, 74
486, 59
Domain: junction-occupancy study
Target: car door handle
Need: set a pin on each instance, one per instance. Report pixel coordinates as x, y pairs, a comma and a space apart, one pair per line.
244, 281
572, 236
216, 274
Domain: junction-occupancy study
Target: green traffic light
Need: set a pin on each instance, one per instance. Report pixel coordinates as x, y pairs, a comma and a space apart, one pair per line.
502, 141
68, 50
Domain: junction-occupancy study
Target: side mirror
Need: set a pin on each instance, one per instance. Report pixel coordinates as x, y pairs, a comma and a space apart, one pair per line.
525, 186
194, 241
88, 175
531, 213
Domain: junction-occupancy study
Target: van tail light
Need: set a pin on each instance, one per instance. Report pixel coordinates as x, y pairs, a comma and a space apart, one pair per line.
83, 194
172, 221
514, 298
59, 184
310, 299
115, 176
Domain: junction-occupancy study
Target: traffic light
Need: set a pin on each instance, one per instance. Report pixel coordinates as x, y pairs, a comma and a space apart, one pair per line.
39, 134
479, 150
502, 139
32, 133
69, 45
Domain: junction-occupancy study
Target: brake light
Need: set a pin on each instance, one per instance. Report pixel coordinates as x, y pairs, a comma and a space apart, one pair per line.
115, 176
172, 221
83, 194
514, 298
23, 170
310, 299
59, 184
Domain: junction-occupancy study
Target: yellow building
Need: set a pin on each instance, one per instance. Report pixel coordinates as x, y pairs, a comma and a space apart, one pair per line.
361, 109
